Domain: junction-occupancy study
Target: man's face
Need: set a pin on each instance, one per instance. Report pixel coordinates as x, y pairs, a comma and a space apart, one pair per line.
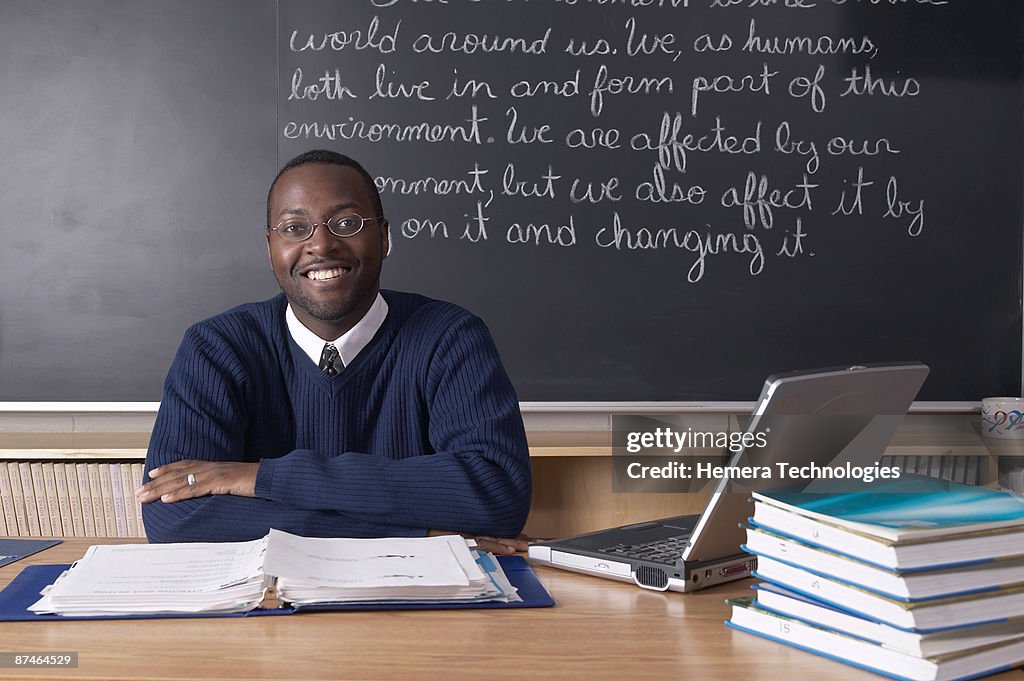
345, 271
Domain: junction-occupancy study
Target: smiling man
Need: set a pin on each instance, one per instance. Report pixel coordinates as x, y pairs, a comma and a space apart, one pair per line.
336, 409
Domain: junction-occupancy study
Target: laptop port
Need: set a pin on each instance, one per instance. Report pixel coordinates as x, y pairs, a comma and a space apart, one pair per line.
734, 570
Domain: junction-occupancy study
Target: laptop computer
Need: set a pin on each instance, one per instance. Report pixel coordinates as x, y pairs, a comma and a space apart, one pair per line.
824, 417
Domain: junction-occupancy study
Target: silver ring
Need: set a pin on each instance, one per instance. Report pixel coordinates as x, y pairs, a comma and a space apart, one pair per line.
191, 479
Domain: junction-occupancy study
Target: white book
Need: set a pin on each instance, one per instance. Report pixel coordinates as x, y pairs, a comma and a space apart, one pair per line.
63, 500
927, 615
117, 499
791, 604
913, 585
7, 503
96, 494
128, 493
107, 499
74, 499
966, 664
18, 496
31, 509
138, 470
52, 502
88, 520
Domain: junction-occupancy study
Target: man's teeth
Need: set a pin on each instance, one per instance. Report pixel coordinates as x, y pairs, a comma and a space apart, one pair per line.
321, 275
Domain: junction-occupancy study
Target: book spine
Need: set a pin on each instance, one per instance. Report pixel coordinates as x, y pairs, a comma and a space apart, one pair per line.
74, 499
5, 493
127, 491
138, 470
31, 510
107, 501
52, 502
18, 496
39, 489
117, 498
959, 469
82, 473
63, 500
7, 501
96, 495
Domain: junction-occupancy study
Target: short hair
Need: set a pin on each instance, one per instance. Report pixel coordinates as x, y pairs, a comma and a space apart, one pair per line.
329, 158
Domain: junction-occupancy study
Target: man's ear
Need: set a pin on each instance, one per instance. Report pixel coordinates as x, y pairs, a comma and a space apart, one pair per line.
385, 235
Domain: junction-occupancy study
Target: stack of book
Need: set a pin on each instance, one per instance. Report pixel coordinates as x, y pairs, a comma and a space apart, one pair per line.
915, 578
67, 499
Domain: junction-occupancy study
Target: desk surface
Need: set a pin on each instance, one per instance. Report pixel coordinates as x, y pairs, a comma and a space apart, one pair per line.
597, 630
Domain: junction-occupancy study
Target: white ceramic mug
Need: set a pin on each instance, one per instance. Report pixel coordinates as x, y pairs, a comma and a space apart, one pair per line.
1003, 418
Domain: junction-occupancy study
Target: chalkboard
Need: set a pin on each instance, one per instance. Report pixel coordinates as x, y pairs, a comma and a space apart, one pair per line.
644, 199
681, 197
137, 144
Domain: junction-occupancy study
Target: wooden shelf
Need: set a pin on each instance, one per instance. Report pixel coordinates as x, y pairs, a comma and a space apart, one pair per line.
41, 446
543, 444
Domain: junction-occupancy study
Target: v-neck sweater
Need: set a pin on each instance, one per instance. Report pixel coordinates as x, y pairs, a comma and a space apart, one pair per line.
422, 430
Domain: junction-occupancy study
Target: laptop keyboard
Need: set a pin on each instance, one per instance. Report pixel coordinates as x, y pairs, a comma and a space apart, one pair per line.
659, 551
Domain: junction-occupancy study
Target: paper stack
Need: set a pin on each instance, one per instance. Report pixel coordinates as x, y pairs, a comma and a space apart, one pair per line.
279, 568
915, 578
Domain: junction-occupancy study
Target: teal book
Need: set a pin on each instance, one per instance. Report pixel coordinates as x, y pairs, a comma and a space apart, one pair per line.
911, 506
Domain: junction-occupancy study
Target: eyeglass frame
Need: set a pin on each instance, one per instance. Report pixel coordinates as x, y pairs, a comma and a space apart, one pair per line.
326, 223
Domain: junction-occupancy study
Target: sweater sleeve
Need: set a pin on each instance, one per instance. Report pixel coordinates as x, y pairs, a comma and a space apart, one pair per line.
202, 416
477, 479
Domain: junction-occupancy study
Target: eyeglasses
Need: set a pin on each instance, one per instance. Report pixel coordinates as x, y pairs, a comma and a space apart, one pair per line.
300, 229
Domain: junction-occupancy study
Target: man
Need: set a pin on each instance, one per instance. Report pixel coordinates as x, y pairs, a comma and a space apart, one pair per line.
336, 409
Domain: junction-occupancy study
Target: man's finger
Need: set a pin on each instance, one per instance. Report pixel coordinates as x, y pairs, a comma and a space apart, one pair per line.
163, 486
493, 546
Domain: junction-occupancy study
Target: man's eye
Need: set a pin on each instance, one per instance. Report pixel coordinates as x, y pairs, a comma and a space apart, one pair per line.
348, 223
293, 228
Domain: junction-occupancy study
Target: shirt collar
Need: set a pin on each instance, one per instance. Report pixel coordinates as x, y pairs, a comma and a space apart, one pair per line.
350, 343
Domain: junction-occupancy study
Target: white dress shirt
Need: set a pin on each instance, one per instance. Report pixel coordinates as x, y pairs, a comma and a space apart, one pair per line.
349, 344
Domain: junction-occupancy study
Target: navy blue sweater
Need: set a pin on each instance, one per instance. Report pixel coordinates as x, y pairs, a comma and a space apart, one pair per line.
422, 430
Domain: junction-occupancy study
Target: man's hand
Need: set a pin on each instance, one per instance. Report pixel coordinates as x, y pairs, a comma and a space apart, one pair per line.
188, 479
495, 545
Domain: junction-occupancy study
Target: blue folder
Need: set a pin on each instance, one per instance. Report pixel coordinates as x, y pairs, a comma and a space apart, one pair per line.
24, 590
15, 549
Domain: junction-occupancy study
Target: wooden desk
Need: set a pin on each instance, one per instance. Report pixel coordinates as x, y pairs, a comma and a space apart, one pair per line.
598, 630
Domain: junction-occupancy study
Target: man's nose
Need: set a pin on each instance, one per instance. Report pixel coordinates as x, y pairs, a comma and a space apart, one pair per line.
323, 241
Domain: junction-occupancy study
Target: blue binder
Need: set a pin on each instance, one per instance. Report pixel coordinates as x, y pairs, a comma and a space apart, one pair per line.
24, 590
